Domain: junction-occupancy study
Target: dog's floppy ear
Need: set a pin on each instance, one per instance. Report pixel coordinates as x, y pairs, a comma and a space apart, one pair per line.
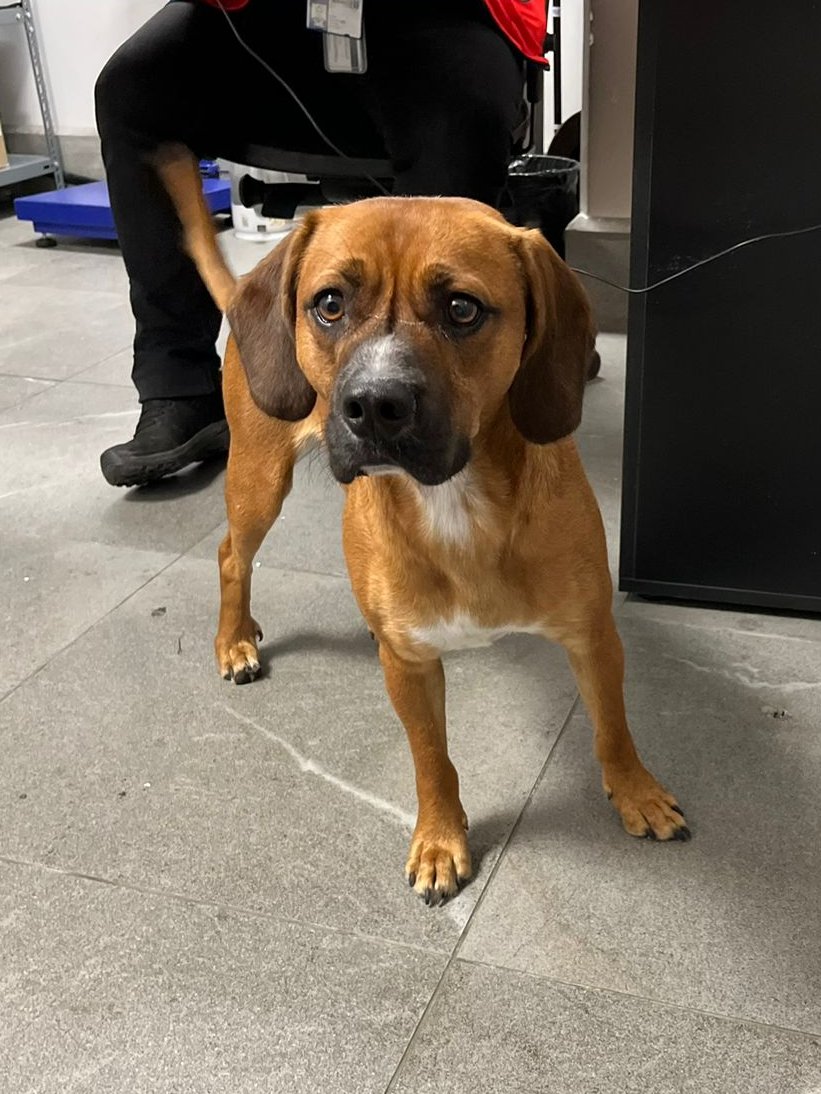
263, 317
546, 395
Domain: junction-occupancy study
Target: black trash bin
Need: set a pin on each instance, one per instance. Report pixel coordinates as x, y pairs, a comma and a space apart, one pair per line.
543, 192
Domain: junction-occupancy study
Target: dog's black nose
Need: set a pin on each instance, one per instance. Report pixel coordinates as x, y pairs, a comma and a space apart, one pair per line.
378, 408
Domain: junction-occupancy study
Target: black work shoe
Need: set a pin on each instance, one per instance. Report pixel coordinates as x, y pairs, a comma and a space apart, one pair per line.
171, 434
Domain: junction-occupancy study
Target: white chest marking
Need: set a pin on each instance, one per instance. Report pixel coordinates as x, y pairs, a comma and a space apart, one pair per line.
462, 632
451, 509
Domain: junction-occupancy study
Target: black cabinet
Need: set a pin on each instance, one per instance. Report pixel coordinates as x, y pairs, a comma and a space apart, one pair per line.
722, 471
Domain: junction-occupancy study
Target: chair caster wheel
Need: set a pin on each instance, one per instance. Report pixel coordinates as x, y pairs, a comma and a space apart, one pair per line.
45, 241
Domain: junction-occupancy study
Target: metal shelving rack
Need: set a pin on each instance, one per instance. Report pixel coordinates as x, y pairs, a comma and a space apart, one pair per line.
21, 168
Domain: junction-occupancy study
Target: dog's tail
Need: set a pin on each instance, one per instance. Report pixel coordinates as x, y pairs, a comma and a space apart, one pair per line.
180, 174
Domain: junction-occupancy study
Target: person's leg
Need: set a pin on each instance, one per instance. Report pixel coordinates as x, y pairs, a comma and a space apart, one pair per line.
447, 90
159, 86
147, 93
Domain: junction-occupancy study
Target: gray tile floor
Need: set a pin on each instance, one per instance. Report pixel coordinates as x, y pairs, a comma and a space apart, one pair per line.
200, 885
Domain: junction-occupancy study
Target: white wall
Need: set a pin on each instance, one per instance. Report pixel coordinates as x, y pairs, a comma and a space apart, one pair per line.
572, 27
607, 133
76, 37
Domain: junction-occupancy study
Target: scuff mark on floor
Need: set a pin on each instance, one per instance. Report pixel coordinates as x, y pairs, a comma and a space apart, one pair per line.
742, 673
311, 767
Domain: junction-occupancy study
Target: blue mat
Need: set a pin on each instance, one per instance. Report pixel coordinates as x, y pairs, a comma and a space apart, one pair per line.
85, 211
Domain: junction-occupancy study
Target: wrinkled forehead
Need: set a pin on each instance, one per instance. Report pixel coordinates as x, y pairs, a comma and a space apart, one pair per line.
412, 245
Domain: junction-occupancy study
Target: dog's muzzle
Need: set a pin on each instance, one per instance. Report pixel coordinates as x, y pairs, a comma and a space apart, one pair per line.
379, 410
387, 412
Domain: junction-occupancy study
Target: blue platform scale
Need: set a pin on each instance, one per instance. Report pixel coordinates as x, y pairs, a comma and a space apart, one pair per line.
85, 211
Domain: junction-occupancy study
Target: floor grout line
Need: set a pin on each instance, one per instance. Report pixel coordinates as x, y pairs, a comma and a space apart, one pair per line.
652, 1000
78, 379
102, 361
57, 381
31, 379
115, 296
185, 554
454, 956
48, 385
339, 575
209, 902
282, 568
90, 627
574, 706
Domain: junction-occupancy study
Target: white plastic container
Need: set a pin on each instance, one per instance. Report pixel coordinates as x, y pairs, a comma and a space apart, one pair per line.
250, 224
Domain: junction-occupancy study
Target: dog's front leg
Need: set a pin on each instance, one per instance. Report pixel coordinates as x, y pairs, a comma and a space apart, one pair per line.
258, 479
646, 808
439, 856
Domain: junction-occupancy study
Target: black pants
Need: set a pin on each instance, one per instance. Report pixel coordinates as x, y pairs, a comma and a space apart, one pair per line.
441, 96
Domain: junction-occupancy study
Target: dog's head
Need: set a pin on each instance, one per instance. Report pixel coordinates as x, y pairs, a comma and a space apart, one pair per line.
416, 320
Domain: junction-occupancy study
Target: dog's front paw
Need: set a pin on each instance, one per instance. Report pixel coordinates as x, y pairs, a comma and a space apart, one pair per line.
646, 808
238, 656
439, 860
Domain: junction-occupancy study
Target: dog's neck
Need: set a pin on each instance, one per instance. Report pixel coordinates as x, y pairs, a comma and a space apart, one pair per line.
479, 508
455, 513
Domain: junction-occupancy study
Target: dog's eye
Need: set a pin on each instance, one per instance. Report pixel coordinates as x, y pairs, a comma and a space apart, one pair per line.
464, 311
329, 306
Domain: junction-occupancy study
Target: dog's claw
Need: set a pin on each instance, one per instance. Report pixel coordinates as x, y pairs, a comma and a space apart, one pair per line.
683, 834
246, 674
238, 657
647, 810
435, 898
437, 867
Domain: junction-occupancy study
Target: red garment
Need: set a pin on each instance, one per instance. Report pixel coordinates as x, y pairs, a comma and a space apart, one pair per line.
523, 22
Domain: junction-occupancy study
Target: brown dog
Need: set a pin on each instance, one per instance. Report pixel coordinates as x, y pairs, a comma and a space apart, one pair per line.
441, 357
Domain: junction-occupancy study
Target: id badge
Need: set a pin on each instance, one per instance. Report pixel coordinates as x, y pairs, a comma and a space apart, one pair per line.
344, 54
338, 17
